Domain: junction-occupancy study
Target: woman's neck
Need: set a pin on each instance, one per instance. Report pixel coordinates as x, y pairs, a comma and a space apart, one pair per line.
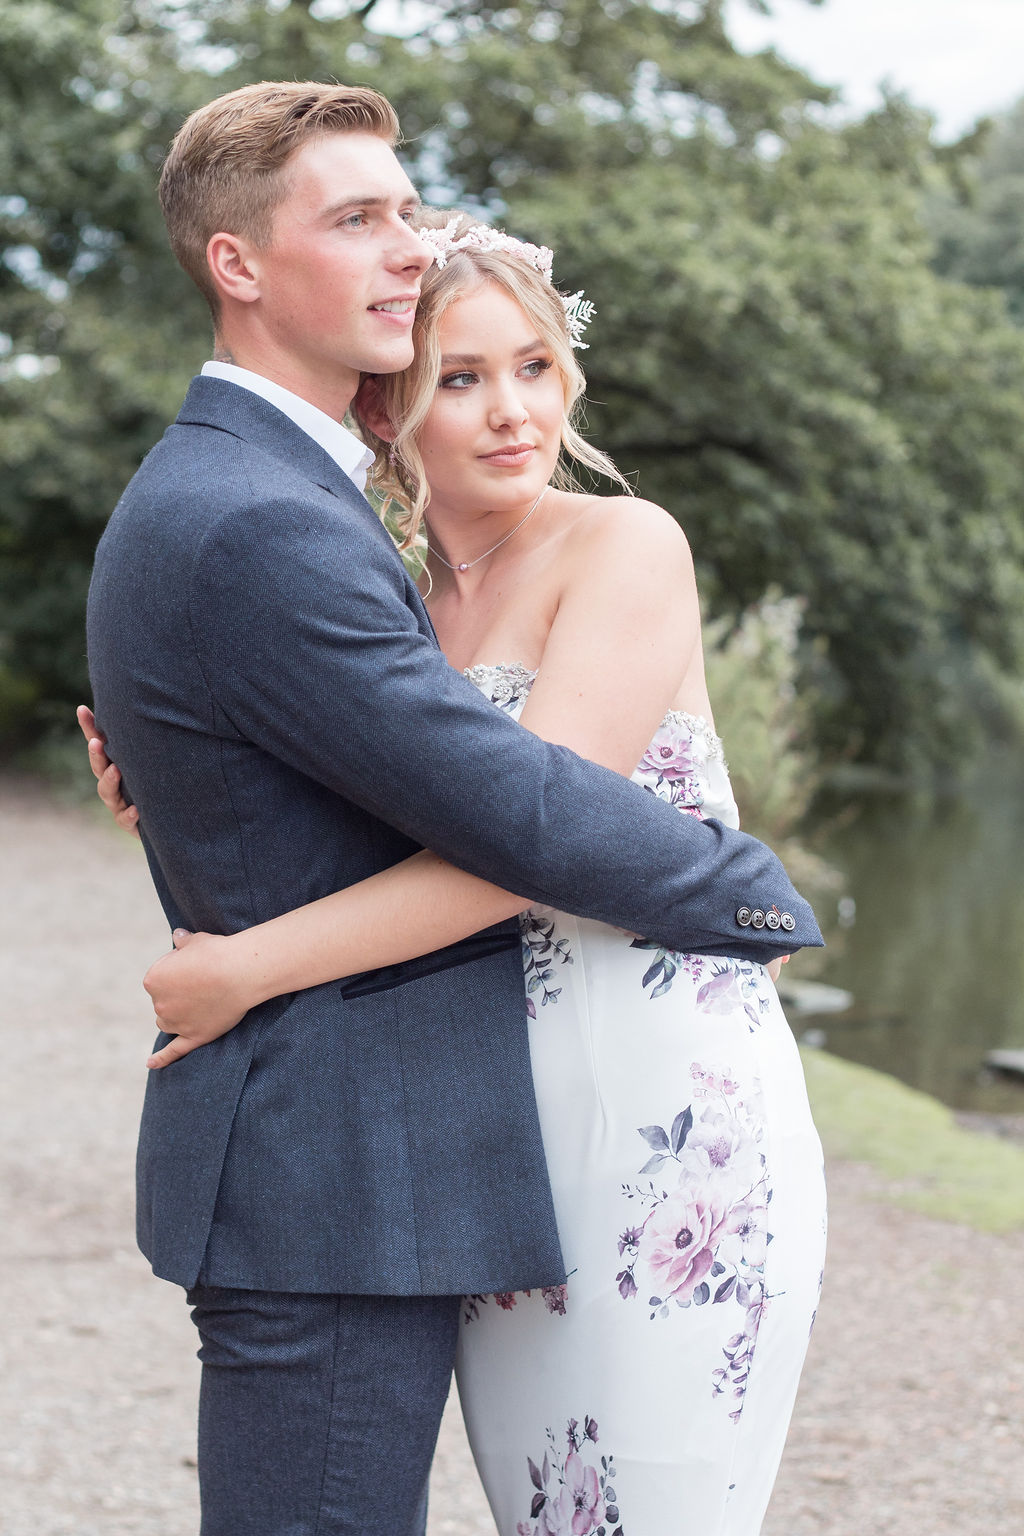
462, 543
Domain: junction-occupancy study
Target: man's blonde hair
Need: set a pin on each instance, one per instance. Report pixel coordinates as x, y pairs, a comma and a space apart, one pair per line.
225, 169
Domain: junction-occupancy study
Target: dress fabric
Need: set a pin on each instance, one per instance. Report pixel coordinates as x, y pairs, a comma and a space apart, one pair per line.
651, 1395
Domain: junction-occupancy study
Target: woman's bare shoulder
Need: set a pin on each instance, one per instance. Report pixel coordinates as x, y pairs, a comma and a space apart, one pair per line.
628, 529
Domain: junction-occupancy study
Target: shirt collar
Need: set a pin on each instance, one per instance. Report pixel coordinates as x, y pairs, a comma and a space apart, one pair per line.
343, 446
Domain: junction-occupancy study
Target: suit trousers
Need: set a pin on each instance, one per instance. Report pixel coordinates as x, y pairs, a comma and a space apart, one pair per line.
318, 1415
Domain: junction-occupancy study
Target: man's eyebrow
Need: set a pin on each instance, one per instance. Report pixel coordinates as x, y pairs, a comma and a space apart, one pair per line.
371, 200
472, 359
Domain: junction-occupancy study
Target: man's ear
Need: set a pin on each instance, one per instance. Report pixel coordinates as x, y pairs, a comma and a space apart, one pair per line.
234, 267
368, 407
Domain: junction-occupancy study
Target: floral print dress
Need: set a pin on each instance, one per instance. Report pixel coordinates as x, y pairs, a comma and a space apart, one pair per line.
650, 1396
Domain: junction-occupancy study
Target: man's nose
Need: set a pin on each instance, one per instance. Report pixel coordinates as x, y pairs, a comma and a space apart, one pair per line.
408, 251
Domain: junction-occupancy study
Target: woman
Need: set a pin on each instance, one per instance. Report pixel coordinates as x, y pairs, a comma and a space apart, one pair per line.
652, 1393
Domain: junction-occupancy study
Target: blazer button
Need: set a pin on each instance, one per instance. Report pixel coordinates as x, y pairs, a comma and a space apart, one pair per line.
743, 917
772, 920
757, 918
788, 921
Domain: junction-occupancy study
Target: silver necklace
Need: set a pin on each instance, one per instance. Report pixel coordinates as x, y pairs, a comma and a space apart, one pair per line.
467, 565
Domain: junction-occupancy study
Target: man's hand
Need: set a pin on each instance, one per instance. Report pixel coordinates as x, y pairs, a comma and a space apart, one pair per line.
107, 774
198, 991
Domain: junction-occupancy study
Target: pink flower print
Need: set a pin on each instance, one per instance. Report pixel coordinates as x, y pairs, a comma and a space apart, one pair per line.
722, 1148
721, 994
670, 754
679, 1241
506, 1300
579, 1507
555, 1298
748, 1221
711, 1082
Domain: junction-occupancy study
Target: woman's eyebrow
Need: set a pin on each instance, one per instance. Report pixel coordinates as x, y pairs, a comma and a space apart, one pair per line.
473, 360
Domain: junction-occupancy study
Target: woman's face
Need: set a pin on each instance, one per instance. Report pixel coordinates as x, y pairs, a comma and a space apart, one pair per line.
491, 439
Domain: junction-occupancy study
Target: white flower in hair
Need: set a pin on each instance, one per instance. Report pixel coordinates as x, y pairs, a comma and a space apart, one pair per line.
483, 237
445, 243
578, 314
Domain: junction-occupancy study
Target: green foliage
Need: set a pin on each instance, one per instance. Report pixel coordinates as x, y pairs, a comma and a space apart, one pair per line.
763, 713
931, 1165
773, 356
978, 218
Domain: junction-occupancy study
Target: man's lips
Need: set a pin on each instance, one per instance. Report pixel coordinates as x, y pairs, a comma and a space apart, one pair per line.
401, 310
511, 456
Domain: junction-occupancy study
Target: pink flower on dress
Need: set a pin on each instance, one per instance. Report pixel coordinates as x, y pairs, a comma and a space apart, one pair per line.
721, 1147
670, 754
680, 1239
579, 1506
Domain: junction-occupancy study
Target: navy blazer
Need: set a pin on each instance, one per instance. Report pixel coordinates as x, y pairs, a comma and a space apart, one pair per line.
272, 689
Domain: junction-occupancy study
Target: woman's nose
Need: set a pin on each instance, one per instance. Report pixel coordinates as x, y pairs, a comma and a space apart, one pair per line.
508, 408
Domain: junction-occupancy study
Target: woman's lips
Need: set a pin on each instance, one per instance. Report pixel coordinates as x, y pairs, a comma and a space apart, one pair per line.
512, 457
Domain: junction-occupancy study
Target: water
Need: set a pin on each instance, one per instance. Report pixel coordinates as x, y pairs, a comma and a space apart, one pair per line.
935, 957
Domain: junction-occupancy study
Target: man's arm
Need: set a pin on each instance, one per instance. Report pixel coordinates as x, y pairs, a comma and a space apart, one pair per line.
330, 672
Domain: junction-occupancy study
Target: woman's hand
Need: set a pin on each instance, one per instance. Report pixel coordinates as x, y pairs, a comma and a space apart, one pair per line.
200, 990
108, 776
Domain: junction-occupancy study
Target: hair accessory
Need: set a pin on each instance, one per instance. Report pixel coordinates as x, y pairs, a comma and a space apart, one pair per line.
484, 238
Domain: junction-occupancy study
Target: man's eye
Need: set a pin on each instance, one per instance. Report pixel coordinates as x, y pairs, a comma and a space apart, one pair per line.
353, 221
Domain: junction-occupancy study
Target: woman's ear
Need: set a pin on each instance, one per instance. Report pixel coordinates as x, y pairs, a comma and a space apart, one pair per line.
368, 407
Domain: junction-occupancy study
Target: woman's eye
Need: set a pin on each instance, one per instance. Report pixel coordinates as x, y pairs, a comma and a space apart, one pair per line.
458, 380
536, 367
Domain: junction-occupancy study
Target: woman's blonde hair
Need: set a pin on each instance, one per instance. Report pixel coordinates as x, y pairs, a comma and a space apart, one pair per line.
404, 399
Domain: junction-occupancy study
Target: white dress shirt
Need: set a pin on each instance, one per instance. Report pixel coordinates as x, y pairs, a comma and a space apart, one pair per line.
343, 446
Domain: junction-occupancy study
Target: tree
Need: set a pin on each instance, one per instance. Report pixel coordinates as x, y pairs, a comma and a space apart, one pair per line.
773, 357
977, 218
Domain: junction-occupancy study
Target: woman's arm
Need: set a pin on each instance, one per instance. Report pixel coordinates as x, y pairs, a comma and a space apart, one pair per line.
625, 640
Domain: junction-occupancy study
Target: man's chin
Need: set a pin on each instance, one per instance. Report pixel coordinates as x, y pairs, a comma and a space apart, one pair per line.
390, 359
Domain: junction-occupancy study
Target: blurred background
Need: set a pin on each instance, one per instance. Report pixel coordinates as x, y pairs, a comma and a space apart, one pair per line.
803, 229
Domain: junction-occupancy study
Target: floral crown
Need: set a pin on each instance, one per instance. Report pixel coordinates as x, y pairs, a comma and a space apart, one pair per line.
482, 237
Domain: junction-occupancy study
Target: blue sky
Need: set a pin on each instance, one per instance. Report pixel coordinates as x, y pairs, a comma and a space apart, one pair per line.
959, 58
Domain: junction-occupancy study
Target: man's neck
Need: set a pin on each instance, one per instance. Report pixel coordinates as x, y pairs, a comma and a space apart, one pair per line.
333, 397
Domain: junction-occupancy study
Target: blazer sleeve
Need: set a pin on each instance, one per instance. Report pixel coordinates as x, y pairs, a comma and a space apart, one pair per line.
305, 628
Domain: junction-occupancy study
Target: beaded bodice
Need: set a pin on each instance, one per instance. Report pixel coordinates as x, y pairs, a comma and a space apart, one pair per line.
683, 764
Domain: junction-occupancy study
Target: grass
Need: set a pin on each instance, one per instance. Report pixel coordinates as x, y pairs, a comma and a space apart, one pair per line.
932, 1164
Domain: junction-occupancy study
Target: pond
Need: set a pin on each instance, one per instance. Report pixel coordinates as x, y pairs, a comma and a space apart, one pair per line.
934, 956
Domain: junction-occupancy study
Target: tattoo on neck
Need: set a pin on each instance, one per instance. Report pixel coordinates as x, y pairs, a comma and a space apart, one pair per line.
222, 354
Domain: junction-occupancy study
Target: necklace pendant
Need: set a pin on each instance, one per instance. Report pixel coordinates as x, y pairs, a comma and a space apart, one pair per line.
463, 566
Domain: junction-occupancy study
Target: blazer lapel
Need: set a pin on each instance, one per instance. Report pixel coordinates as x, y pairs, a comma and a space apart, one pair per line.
229, 408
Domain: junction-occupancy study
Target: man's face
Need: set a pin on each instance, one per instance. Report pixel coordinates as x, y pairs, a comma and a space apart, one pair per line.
338, 282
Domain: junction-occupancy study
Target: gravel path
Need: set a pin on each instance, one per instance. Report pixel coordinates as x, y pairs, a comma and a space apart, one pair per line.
911, 1419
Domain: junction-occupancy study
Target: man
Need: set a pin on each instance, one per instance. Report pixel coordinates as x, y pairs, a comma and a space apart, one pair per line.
328, 1177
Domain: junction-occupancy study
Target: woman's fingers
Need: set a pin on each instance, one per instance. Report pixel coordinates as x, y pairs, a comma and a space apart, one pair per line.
106, 774
174, 1050
87, 720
